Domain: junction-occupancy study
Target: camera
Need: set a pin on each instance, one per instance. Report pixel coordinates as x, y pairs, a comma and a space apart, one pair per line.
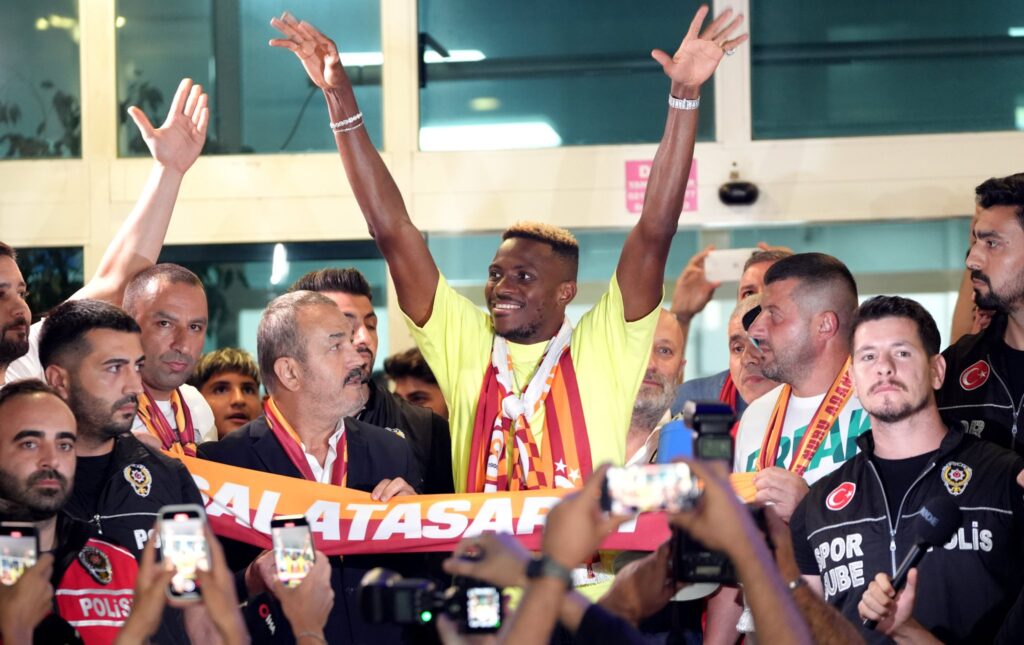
387, 597
736, 192
691, 560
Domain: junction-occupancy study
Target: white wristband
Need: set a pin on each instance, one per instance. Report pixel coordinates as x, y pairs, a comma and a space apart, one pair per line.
341, 124
683, 104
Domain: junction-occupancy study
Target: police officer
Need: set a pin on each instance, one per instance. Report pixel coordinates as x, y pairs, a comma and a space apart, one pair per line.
860, 520
983, 394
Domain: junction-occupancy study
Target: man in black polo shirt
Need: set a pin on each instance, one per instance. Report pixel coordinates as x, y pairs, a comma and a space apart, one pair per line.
983, 394
860, 520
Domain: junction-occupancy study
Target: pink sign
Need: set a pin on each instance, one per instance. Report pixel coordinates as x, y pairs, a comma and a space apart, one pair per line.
636, 184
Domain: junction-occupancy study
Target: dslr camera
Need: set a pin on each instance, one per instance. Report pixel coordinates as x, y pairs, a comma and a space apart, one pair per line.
691, 560
387, 597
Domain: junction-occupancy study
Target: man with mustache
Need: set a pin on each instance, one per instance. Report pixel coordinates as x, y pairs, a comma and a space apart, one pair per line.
175, 146
983, 394
859, 522
92, 355
313, 373
93, 578
169, 304
426, 433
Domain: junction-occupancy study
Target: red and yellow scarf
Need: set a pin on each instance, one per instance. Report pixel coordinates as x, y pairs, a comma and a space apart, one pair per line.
832, 404
180, 441
292, 446
501, 429
729, 396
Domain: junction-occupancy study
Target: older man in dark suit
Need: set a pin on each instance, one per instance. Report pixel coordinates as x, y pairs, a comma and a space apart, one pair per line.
312, 371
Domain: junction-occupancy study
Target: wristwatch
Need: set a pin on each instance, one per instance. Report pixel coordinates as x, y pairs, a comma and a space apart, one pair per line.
542, 566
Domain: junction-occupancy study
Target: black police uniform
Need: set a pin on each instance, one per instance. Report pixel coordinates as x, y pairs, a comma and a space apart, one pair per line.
844, 532
978, 394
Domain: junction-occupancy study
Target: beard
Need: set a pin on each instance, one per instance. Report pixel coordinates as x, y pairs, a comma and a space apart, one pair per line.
1002, 302
895, 414
651, 402
12, 350
366, 372
35, 506
522, 332
95, 417
784, 367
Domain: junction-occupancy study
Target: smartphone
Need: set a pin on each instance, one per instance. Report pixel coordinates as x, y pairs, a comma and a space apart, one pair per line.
726, 265
19, 550
183, 542
483, 609
293, 548
651, 487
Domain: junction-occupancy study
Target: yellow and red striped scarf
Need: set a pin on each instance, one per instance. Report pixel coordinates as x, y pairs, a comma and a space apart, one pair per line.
501, 429
292, 446
180, 441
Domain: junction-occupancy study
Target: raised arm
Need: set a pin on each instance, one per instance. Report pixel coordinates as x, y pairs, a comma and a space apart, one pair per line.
642, 263
409, 260
175, 146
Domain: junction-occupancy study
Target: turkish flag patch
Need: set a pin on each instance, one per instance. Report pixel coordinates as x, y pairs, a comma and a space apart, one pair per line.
840, 496
975, 376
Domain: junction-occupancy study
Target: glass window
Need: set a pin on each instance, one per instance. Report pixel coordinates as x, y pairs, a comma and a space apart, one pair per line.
921, 259
245, 277
52, 274
260, 98
40, 109
535, 74
828, 69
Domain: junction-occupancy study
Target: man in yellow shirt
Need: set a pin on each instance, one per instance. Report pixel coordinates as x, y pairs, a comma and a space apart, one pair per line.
534, 403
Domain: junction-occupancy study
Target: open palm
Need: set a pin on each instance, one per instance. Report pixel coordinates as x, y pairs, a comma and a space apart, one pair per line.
699, 54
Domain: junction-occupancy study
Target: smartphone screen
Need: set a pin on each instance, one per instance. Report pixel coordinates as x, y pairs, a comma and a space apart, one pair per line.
293, 549
651, 487
483, 609
183, 542
19, 550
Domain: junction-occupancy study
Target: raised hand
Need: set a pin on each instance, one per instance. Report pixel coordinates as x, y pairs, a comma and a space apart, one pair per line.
177, 143
700, 53
693, 290
498, 559
318, 53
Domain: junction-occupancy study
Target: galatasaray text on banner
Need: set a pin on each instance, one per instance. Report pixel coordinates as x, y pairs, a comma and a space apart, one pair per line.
240, 504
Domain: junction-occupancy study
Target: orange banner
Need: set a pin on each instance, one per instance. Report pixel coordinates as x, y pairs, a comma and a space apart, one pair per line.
240, 504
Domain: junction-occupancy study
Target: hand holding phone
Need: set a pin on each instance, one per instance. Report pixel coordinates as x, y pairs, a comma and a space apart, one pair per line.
19, 550
293, 548
726, 265
183, 543
651, 487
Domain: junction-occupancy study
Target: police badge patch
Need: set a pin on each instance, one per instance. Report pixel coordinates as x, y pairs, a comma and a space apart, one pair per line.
956, 476
97, 564
140, 479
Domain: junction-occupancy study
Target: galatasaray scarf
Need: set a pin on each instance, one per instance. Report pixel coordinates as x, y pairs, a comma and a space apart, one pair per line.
181, 442
828, 411
292, 446
501, 429
728, 396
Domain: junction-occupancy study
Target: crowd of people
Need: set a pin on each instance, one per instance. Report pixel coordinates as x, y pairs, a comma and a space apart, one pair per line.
850, 421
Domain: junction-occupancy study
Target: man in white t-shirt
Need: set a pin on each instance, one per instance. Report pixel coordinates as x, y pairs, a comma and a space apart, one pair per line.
175, 146
169, 303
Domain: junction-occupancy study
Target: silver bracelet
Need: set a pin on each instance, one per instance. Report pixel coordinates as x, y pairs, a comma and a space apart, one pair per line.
348, 129
352, 119
683, 104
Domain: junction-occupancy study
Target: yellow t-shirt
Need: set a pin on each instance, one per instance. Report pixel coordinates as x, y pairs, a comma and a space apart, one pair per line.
609, 354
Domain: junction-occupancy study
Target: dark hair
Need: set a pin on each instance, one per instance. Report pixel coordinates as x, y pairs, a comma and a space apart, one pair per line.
771, 255
898, 307
226, 359
1003, 191
25, 387
348, 280
409, 363
561, 241
7, 251
65, 327
814, 269
166, 272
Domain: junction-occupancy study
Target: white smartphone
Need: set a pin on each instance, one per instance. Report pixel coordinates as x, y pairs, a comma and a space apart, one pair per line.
726, 265
183, 542
293, 548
